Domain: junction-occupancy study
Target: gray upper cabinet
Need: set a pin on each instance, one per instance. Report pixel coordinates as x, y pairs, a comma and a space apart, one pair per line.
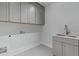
40, 11
24, 12
31, 13
14, 11
3, 11
27, 13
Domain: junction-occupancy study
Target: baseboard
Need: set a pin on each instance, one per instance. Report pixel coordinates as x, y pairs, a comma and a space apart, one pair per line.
22, 49
46, 44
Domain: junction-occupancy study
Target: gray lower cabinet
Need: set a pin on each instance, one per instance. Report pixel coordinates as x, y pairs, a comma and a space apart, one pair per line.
65, 46
14, 11
3, 11
57, 48
70, 50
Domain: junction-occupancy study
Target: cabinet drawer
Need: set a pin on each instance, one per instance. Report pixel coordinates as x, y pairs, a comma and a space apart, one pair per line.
66, 40
59, 39
70, 41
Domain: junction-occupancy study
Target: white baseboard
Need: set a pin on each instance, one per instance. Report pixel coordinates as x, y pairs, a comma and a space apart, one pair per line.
22, 49
46, 44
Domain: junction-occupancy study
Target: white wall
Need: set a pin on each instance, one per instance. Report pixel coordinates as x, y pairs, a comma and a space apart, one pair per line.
19, 43
56, 16
15, 28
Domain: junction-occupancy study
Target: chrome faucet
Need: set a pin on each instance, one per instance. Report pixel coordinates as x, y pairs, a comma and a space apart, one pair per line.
66, 30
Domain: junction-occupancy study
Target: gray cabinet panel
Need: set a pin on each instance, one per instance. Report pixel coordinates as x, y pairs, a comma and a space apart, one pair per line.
3, 11
24, 12
70, 41
70, 50
57, 48
40, 14
14, 11
31, 13
69, 46
27, 13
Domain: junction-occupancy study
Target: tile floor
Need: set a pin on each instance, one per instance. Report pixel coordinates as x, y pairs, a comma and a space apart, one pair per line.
40, 50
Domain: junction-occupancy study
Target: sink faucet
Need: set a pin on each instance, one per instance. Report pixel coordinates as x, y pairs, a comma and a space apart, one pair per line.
66, 30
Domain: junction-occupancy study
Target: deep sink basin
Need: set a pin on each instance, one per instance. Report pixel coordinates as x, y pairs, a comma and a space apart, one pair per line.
65, 35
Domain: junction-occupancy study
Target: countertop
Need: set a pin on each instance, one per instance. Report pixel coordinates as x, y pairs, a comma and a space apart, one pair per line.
77, 37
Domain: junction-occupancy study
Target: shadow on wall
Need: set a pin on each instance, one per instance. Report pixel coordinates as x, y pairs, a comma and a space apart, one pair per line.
13, 28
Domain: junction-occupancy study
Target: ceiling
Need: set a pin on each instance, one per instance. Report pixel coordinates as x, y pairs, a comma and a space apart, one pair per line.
45, 3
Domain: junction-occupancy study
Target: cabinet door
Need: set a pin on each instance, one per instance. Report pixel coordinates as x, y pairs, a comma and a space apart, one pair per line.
14, 11
70, 50
24, 12
3, 11
57, 48
31, 13
40, 14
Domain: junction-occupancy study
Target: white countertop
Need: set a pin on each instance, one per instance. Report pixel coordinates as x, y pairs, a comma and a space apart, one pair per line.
77, 37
